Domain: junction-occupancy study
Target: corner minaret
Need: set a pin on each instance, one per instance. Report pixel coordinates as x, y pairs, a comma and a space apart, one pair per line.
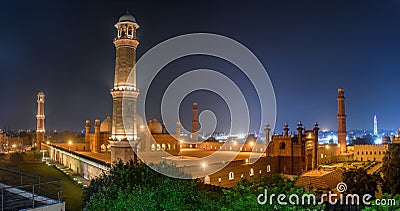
40, 120
178, 130
195, 123
341, 133
125, 61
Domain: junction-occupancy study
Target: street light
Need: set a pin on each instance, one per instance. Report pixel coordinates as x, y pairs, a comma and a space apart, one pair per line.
69, 145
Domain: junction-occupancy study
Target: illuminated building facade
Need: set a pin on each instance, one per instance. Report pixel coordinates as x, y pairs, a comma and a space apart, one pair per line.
370, 152
297, 152
99, 140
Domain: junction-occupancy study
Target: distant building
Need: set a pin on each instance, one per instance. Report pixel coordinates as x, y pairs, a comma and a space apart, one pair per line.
396, 139
370, 152
3, 141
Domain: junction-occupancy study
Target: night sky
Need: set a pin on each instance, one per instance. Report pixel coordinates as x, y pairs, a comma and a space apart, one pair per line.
309, 49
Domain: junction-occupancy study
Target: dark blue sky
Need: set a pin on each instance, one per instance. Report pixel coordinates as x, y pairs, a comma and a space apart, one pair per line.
309, 49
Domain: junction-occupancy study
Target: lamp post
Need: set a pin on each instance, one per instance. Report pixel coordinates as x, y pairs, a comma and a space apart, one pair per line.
69, 145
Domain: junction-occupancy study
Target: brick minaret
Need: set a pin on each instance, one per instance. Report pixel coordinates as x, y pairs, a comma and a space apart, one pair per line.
40, 121
96, 140
195, 123
267, 133
87, 131
125, 61
341, 133
315, 146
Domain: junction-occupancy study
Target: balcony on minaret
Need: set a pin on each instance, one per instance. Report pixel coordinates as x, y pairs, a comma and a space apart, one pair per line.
127, 27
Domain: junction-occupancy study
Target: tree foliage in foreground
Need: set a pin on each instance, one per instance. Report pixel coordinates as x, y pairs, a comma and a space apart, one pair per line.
244, 195
359, 182
138, 187
390, 169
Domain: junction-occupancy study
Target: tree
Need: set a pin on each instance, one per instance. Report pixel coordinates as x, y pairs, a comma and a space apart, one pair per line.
133, 186
390, 169
2, 157
16, 158
244, 195
359, 182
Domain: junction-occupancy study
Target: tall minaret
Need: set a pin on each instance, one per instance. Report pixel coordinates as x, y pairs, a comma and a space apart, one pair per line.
267, 133
125, 61
315, 145
40, 121
375, 126
178, 130
195, 123
341, 133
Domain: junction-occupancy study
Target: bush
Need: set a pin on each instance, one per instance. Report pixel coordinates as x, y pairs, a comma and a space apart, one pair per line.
16, 158
133, 186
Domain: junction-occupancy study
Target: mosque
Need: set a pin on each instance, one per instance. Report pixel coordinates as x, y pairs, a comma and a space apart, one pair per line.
108, 141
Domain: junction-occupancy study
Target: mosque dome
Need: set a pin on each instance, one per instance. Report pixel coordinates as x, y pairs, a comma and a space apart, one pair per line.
106, 125
155, 126
127, 17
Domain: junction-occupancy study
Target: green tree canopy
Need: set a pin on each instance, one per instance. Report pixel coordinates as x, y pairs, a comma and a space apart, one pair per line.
244, 195
358, 181
138, 187
133, 186
390, 169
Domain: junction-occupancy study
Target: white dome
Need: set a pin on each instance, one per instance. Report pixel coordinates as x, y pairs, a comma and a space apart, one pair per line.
127, 17
155, 126
106, 125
